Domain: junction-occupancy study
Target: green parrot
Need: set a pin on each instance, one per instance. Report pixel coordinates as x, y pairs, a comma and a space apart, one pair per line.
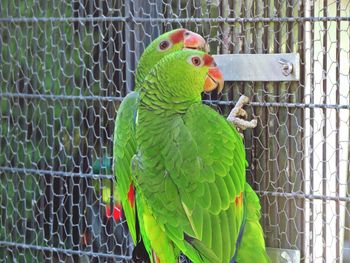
124, 143
189, 170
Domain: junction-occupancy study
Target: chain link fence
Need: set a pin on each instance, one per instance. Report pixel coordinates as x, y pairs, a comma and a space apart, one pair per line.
67, 65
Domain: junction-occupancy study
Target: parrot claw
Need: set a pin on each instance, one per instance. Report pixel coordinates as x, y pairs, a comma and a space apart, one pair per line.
237, 115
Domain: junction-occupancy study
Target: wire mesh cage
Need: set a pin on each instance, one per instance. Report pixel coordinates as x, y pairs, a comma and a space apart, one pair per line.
67, 65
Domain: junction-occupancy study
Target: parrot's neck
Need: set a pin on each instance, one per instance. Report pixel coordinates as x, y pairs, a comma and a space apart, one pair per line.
143, 68
139, 77
154, 98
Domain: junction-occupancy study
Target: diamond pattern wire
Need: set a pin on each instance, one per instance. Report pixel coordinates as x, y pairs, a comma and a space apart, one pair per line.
67, 65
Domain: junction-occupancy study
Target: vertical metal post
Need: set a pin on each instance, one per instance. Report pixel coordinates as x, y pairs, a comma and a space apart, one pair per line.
337, 183
69, 181
248, 87
14, 159
22, 186
324, 132
88, 187
237, 29
60, 221
129, 46
271, 172
309, 86
347, 191
261, 170
282, 173
48, 180
225, 12
105, 151
231, 42
41, 165
129, 55
297, 145
225, 47
50, 139
337, 139
78, 195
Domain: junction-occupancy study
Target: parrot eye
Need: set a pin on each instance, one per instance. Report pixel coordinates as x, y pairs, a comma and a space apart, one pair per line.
164, 45
187, 33
196, 61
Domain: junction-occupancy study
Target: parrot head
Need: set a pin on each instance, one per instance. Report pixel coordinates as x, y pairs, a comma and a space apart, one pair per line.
166, 44
184, 76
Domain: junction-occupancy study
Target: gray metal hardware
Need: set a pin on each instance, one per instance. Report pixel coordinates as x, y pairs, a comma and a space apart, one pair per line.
287, 67
259, 67
281, 255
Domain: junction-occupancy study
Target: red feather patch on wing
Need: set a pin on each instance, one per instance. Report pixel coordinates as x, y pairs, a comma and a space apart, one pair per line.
239, 199
131, 195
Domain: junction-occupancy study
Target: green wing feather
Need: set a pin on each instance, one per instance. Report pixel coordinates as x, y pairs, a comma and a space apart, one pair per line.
193, 172
124, 148
253, 238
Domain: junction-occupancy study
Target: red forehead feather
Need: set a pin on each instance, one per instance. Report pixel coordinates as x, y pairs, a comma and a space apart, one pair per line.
177, 36
208, 60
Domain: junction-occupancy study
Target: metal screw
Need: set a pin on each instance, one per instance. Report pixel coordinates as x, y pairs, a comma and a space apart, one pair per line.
287, 67
286, 258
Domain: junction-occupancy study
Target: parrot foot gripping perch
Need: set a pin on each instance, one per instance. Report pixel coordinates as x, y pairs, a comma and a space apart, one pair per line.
237, 115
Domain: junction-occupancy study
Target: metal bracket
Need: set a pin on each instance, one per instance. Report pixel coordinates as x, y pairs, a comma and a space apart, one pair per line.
259, 67
281, 255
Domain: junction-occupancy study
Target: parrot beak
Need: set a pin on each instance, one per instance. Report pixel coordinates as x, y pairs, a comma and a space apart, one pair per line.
214, 79
194, 41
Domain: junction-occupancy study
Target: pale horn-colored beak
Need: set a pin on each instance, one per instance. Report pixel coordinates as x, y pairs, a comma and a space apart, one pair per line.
214, 80
195, 41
